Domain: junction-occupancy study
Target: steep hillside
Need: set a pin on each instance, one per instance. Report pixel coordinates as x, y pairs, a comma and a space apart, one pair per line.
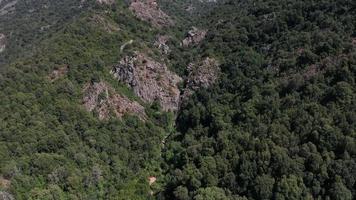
280, 123
168, 99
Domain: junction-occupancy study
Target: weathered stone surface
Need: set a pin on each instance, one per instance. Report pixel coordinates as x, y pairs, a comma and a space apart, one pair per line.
103, 99
194, 37
2, 42
105, 24
7, 7
201, 75
6, 196
4, 183
150, 80
161, 44
59, 72
148, 10
108, 2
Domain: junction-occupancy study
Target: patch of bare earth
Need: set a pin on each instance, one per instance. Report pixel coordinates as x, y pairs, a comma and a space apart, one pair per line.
102, 99
150, 80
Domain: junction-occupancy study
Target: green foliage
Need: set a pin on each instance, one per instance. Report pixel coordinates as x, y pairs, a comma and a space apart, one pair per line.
278, 124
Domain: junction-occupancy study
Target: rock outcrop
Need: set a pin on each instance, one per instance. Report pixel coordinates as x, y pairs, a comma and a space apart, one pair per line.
201, 75
150, 80
2, 42
105, 24
148, 10
59, 72
194, 37
102, 99
7, 6
161, 44
107, 2
6, 196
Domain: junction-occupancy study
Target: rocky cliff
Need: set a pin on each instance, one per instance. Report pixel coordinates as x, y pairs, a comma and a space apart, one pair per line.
102, 99
150, 80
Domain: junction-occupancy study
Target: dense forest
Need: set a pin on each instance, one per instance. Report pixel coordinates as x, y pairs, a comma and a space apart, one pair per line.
278, 123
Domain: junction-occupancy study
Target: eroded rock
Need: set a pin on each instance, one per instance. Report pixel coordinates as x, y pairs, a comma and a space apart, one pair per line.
148, 10
194, 37
202, 74
59, 72
107, 2
6, 196
4, 183
7, 7
161, 44
2, 42
101, 98
150, 80
105, 24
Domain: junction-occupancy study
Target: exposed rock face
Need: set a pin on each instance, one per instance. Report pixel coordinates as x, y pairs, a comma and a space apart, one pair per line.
201, 75
2, 42
59, 72
105, 24
6, 196
150, 80
4, 183
194, 37
108, 2
161, 44
148, 10
7, 6
101, 98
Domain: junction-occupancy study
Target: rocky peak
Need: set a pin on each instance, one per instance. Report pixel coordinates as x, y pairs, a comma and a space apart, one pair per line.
149, 11
101, 98
150, 80
2, 42
194, 37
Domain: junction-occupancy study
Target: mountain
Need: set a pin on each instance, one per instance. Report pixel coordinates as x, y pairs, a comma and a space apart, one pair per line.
167, 99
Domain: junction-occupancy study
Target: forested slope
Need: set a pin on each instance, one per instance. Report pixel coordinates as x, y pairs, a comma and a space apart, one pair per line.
280, 124
263, 95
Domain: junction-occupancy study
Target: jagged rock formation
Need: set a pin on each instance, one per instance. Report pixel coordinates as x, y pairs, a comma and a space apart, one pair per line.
150, 80
201, 75
59, 72
194, 37
6, 196
2, 42
148, 10
108, 2
101, 98
7, 6
161, 44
